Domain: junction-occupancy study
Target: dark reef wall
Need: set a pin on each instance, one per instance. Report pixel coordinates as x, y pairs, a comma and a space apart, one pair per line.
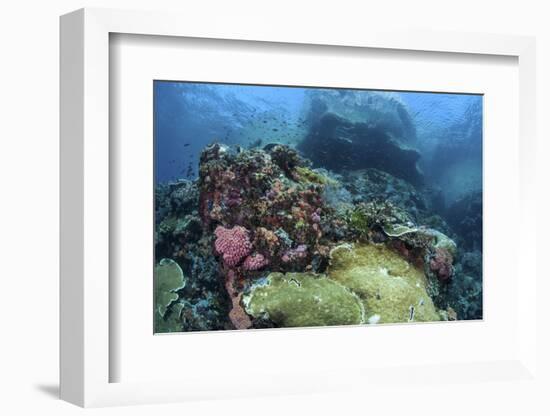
341, 145
381, 110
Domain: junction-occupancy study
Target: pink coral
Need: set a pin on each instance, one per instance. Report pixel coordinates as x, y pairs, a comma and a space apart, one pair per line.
233, 243
255, 262
238, 316
442, 264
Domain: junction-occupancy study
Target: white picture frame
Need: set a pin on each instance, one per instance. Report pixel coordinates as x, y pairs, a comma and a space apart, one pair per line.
85, 211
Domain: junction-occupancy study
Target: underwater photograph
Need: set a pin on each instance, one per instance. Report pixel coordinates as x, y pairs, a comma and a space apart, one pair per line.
284, 206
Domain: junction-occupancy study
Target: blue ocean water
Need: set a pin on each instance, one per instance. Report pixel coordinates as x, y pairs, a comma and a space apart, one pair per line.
189, 116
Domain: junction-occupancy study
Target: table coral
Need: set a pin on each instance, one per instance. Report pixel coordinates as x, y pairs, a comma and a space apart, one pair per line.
168, 280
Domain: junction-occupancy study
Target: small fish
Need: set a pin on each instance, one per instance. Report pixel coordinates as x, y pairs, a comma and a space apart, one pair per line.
275, 129
256, 143
186, 144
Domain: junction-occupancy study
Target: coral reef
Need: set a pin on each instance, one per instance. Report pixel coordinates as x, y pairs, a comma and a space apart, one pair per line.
265, 240
269, 210
265, 208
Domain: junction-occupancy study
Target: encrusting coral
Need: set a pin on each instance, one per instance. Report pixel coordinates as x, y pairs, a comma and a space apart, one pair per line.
303, 299
365, 283
390, 287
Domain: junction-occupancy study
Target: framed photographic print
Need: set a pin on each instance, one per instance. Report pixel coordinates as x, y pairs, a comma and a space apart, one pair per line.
332, 206
280, 206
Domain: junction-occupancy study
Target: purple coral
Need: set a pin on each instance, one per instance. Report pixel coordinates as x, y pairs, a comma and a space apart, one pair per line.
233, 198
255, 262
233, 243
296, 253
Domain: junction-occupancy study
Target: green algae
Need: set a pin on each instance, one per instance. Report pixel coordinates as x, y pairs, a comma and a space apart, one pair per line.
303, 299
168, 280
359, 221
310, 176
391, 289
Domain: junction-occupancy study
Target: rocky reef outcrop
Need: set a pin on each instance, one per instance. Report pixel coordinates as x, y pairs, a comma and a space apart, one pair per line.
339, 144
371, 184
379, 109
271, 219
350, 130
265, 208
